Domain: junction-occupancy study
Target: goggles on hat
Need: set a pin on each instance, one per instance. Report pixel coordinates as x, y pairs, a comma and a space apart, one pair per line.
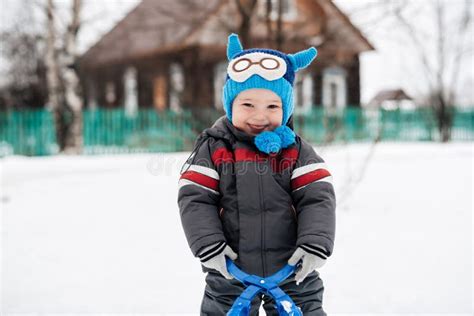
268, 66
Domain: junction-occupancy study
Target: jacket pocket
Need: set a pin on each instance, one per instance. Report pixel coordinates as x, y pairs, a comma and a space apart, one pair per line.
230, 225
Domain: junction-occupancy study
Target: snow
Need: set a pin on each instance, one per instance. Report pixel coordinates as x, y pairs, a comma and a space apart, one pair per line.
102, 234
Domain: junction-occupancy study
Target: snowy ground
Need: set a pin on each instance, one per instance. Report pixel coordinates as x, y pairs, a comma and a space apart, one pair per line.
101, 234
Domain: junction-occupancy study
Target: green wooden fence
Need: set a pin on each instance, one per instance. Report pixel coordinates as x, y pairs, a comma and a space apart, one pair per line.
28, 133
32, 132
107, 131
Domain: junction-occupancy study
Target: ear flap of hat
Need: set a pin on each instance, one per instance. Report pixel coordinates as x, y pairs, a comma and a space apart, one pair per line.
302, 59
233, 46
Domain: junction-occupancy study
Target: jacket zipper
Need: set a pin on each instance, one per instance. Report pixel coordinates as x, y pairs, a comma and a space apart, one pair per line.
293, 211
262, 210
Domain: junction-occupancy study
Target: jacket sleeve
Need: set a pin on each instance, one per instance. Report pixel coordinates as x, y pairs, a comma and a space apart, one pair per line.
198, 199
315, 202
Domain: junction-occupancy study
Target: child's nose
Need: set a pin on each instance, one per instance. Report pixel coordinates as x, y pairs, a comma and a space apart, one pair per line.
260, 115
259, 119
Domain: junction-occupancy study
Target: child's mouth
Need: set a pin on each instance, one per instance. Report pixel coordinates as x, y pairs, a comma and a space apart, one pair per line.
257, 128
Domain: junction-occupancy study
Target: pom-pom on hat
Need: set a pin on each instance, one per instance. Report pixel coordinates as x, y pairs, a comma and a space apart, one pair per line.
262, 68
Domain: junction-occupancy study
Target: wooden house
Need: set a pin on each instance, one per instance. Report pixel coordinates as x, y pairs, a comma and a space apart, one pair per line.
171, 54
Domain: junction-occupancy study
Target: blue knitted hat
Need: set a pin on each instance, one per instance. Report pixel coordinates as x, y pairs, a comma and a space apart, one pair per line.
261, 68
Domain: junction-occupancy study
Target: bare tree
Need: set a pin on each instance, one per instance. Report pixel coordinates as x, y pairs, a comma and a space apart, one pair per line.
55, 100
63, 83
442, 74
440, 52
74, 141
274, 30
22, 52
268, 19
279, 38
246, 9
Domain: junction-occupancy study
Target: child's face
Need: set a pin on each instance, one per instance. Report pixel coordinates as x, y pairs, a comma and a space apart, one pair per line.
257, 110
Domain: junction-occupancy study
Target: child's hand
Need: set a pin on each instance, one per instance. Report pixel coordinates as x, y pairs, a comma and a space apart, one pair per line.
311, 261
213, 257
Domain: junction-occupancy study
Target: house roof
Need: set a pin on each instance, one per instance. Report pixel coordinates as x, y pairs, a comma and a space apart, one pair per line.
346, 21
154, 26
150, 27
392, 95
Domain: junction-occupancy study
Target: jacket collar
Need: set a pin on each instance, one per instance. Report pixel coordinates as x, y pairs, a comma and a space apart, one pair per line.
238, 134
223, 128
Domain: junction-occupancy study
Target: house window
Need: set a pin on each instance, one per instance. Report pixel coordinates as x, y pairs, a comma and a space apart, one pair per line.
299, 92
176, 87
332, 95
131, 94
220, 73
334, 88
303, 93
160, 91
91, 94
110, 95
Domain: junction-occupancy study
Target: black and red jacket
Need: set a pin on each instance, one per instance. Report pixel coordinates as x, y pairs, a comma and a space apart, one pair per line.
262, 205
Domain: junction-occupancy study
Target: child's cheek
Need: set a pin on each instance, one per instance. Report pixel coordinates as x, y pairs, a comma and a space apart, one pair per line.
277, 117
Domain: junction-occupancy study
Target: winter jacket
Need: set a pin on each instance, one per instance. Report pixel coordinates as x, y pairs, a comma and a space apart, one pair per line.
262, 205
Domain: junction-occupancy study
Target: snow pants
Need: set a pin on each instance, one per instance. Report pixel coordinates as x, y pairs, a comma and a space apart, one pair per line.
220, 294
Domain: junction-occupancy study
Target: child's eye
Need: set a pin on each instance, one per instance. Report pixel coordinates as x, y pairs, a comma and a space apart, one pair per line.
273, 106
247, 104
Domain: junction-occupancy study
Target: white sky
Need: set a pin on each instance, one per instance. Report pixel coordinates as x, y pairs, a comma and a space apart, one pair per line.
395, 62
393, 65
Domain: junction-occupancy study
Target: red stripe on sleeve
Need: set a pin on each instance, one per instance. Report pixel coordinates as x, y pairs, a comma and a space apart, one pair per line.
201, 179
309, 177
